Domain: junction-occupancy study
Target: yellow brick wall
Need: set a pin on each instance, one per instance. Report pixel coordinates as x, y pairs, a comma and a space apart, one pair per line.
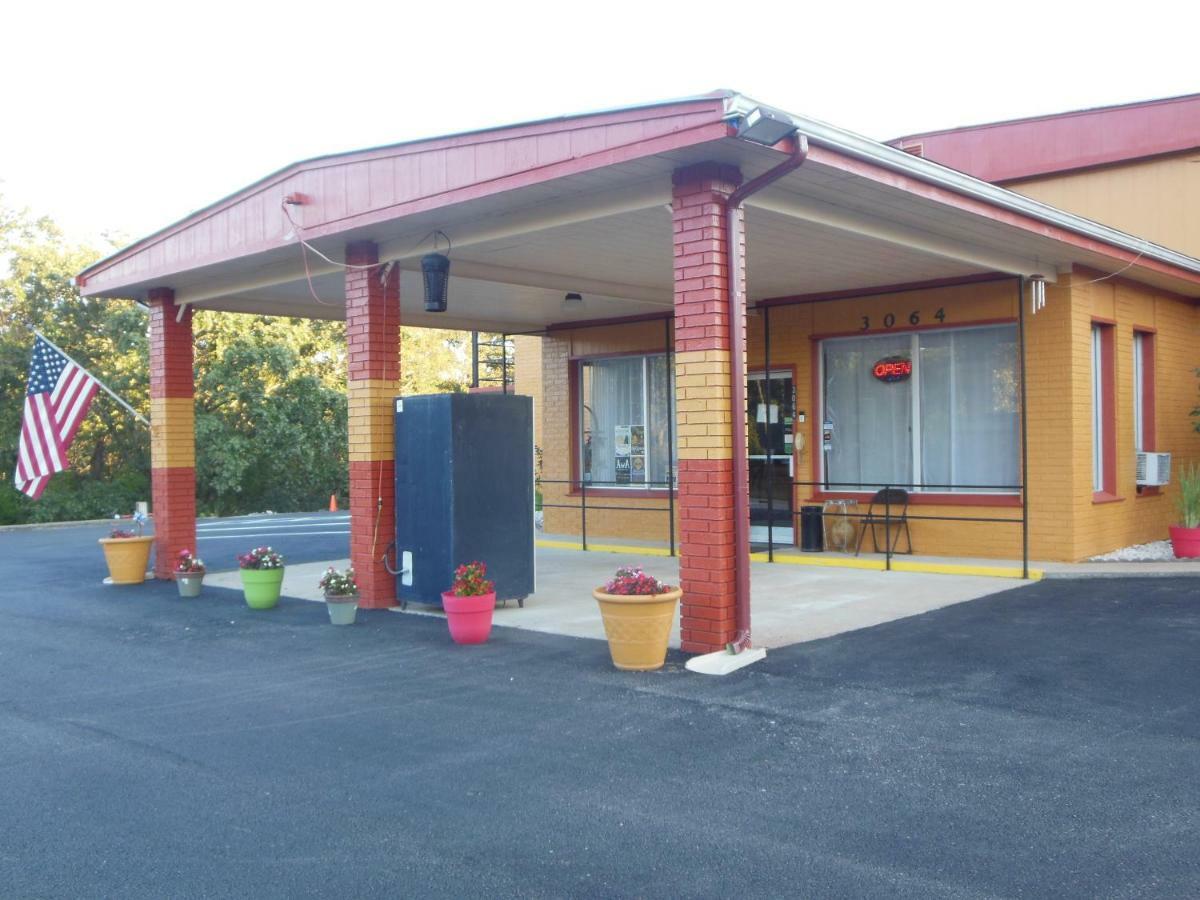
702, 404
1134, 518
172, 432
558, 349
371, 419
792, 330
1064, 523
527, 376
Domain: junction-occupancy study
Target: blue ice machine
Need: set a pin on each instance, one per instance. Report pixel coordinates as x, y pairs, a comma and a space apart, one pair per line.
464, 492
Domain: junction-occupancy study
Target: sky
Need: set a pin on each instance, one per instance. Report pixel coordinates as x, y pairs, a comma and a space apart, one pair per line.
122, 117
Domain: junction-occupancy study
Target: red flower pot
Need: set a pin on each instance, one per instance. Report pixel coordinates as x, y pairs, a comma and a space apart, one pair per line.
1185, 542
470, 618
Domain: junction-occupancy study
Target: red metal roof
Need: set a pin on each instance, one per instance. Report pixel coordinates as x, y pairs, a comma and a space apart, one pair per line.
1041, 145
359, 189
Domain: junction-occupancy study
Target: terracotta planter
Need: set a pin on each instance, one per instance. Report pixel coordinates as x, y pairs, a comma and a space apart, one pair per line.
342, 608
127, 558
261, 587
638, 627
1185, 542
189, 583
469, 618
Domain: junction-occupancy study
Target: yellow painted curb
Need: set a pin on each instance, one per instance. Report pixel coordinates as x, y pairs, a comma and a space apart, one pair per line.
605, 548
960, 569
829, 562
826, 561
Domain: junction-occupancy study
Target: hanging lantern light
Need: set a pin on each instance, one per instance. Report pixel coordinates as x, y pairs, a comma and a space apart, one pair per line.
435, 267
435, 270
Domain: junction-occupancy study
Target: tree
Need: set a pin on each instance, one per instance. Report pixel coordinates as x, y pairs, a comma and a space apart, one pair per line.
270, 391
109, 459
270, 412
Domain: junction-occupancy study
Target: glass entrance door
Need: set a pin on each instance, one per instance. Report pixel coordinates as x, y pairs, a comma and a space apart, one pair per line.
771, 431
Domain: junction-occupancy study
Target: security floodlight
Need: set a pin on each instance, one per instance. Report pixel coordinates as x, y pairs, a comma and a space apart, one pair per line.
766, 126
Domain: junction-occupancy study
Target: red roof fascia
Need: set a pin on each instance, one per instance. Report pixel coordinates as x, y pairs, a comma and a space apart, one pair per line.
347, 196
1042, 145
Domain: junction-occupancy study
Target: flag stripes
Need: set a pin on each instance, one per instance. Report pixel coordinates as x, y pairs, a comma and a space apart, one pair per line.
56, 400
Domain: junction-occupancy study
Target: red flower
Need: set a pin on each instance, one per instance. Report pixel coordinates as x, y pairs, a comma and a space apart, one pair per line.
469, 580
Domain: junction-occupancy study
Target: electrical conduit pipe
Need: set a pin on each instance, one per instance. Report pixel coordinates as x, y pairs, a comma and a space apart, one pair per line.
737, 378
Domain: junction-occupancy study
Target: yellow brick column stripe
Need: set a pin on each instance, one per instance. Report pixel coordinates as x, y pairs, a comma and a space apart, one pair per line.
369, 409
172, 432
702, 404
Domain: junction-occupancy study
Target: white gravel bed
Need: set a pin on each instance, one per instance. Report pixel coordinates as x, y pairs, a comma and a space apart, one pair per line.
1155, 551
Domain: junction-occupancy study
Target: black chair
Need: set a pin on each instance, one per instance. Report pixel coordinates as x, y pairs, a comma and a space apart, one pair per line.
892, 511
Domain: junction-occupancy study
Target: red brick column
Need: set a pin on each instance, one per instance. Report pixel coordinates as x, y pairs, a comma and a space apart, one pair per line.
172, 430
373, 380
704, 433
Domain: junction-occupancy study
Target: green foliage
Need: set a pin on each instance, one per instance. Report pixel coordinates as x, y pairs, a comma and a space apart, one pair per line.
270, 413
106, 337
270, 392
1189, 496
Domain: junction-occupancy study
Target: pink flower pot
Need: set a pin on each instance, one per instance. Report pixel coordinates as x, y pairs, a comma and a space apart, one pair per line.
1185, 542
470, 618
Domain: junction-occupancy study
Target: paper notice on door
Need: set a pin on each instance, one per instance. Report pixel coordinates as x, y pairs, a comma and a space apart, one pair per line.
764, 410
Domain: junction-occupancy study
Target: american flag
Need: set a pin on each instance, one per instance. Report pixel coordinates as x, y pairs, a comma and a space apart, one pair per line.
56, 401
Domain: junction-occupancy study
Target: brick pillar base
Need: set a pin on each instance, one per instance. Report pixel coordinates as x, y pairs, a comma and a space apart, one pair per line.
373, 348
703, 408
172, 431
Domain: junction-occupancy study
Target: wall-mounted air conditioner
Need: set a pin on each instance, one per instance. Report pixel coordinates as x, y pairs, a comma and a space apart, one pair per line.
1153, 469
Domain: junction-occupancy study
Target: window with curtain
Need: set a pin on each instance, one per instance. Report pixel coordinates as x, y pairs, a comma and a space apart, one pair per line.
1143, 391
626, 407
952, 425
1103, 405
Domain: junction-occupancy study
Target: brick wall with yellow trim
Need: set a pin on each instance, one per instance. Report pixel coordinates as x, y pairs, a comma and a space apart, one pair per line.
559, 348
792, 347
1134, 518
527, 376
1064, 523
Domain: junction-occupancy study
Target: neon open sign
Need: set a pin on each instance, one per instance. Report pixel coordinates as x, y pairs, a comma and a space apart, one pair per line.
893, 368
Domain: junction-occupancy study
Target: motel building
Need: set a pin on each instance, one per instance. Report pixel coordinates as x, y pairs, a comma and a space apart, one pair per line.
997, 321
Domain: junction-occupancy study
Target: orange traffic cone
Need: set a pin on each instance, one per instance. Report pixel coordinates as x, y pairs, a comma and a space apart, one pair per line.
333, 502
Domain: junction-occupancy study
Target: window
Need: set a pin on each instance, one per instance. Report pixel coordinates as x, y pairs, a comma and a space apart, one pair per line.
1104, 463
950, 424
627, 405
1143, 391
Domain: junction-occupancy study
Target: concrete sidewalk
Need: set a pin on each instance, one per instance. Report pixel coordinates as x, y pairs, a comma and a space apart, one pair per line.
789, 604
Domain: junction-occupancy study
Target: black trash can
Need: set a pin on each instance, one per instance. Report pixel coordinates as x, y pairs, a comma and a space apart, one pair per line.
812, 534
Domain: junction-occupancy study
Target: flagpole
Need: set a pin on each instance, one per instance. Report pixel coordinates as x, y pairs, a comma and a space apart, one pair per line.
137, 415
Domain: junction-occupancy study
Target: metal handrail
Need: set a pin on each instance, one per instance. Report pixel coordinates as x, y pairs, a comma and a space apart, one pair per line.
583, 485
874, 488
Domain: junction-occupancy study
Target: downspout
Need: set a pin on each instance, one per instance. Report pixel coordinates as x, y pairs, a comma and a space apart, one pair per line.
735, 260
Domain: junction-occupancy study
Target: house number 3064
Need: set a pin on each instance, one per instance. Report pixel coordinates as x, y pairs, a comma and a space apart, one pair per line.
914, 318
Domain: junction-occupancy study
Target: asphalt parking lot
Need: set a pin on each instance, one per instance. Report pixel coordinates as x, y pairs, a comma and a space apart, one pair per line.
1033, 743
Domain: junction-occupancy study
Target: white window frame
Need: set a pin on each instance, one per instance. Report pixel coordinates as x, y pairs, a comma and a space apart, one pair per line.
915, 413
672, 474
1098, 460
1139, 386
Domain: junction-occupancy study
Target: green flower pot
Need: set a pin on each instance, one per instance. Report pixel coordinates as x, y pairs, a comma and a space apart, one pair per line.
261, 587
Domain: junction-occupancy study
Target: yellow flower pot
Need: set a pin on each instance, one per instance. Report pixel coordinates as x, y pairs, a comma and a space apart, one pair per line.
638, 627
127, 558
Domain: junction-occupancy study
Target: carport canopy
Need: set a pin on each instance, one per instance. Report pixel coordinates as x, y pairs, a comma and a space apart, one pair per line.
582, 204
625, 207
